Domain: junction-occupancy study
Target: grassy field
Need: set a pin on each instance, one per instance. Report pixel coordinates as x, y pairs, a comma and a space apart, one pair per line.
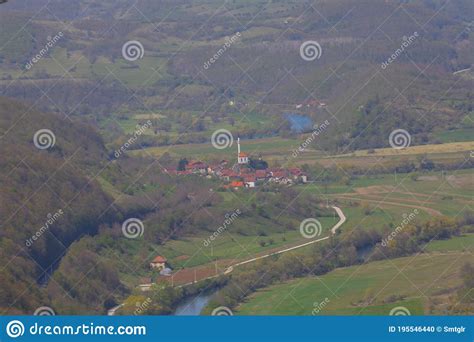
448, 193
266, 147
280, 151
191, 251
456, 135
419, 149
362, 290
458, 243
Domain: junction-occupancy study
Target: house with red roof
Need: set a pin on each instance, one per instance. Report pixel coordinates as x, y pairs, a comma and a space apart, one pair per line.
159, 263
236, 184
250, 181
197, 166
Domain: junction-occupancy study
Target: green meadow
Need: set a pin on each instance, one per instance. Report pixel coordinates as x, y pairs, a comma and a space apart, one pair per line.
370, 289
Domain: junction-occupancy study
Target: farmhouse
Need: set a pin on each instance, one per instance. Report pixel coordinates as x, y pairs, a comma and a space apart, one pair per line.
158, 263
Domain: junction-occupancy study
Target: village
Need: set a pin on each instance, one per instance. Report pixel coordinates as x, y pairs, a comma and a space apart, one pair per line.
245, 173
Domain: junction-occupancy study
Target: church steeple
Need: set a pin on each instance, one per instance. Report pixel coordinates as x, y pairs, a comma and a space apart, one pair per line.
242, 157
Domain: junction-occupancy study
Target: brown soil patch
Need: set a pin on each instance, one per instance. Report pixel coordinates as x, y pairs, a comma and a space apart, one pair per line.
374, 189
461, 181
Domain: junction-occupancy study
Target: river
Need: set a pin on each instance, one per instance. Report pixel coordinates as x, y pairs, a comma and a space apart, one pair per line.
193, 305
299, 123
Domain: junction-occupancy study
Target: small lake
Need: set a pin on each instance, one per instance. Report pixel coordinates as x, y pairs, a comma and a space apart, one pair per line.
299, 123
193, 306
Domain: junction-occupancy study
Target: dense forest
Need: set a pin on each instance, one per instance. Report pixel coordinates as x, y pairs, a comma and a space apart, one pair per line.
49, 194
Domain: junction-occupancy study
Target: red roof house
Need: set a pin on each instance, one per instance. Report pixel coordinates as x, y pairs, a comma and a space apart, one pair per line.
159, 262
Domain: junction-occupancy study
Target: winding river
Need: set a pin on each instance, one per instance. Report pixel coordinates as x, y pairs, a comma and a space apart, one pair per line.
193, 306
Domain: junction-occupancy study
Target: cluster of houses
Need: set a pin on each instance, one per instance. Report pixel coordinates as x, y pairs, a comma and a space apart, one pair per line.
241, 175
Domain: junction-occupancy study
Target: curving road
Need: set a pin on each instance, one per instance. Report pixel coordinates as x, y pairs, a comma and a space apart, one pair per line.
342, 219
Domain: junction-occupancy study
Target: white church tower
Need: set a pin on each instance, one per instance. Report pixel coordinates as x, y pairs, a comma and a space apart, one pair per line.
242, 157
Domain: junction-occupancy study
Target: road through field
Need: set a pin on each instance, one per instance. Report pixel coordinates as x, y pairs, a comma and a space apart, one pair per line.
342, 219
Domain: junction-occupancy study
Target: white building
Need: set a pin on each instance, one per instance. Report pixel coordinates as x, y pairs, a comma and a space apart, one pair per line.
242, 157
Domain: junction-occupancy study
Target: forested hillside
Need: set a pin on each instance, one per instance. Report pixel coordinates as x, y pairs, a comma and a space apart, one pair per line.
49, 198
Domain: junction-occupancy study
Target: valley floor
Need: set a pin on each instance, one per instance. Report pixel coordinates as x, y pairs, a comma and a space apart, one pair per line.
424, 283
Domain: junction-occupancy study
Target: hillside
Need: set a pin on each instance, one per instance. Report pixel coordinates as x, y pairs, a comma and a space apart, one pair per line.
259, 78
49, 198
